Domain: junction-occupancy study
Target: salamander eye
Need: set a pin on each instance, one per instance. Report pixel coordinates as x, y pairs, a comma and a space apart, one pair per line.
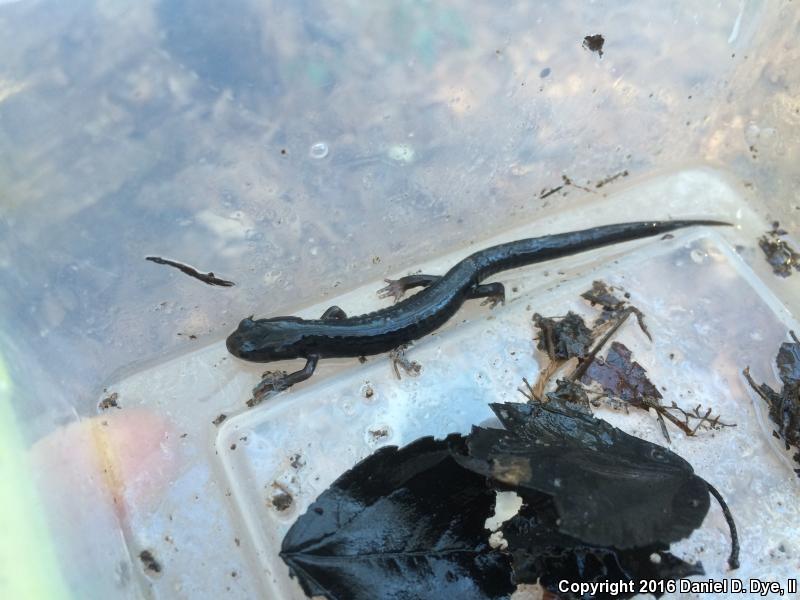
247, 323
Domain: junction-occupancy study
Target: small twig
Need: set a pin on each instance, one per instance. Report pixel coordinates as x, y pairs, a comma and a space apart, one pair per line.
640, 319
549, 343
584, 363
550, 192
664, 432
568, 181
528, 392
754, 385
703, 420
208, 278
662, 410
733, 558
544, 377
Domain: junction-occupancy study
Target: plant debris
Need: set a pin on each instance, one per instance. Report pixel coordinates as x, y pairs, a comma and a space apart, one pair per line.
403, 523
149, 562
613, 308
622, 378
566, 182
603, 294
780, 254
208, 278
594, 43
281, 499
574, 337
610, 178
622, 381
566, 338
400, 361
410, 523
627, 382
784, 406
109, 401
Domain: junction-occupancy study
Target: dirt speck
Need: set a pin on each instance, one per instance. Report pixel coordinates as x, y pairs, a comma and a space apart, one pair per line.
594, 43
610, 178
149, 562
297, 461
379, 433
281, 498
219, 419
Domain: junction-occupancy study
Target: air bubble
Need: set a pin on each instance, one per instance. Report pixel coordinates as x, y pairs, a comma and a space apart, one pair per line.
318, 150
697, 256
401, 153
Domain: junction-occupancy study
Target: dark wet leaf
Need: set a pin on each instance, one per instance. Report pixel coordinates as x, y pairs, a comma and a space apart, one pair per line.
542, 553
788, 362
610, 488
564, 338
622, 378
405, 523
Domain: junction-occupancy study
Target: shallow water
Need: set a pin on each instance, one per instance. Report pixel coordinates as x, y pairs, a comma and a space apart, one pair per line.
304, 149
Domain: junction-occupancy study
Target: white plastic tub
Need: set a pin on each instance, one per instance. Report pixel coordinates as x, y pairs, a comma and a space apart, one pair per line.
307, 151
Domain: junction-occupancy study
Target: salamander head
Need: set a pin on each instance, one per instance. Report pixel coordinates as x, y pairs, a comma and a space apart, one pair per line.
265, 340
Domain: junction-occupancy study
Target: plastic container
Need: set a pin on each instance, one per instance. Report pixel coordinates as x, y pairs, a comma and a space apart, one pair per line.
306, 151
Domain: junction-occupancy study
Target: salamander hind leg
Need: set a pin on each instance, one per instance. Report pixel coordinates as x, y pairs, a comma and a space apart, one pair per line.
494, 293
398, 287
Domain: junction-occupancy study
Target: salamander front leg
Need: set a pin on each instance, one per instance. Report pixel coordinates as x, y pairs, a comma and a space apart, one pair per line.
494, 293
279, 381
398, 287
304, 373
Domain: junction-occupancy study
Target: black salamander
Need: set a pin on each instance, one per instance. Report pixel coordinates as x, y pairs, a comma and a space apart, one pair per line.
335, 334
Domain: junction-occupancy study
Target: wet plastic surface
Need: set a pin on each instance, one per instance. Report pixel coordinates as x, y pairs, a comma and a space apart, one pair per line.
306, 150
238, 486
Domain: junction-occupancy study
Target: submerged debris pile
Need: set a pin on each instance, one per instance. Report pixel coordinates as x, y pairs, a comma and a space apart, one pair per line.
598, 505
564, 338
626, 381
780, 254
617, 379
784, 406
